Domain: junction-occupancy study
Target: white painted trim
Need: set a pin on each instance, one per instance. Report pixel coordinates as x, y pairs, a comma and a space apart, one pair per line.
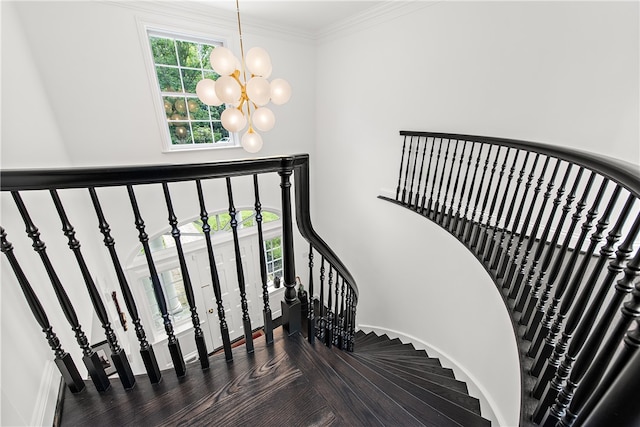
47, 398
489, 408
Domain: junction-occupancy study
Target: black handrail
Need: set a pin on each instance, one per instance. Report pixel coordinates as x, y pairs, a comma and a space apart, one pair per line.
567, 357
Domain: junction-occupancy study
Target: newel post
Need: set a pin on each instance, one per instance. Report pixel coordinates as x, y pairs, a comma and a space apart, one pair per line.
291, 307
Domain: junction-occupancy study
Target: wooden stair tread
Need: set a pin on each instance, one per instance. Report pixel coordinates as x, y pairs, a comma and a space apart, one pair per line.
412, 361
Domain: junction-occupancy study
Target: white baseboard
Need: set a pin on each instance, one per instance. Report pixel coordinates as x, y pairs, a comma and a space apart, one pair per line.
489, 408
47, 398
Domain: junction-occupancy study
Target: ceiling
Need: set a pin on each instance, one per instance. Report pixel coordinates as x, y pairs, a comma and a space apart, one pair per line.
309, 16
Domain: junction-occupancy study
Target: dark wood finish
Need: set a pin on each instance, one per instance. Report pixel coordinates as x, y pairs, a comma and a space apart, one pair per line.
266, 310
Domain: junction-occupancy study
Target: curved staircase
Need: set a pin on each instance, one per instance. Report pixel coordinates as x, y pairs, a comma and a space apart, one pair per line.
293, 383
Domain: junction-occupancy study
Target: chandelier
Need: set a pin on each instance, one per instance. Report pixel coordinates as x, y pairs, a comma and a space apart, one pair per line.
245, 99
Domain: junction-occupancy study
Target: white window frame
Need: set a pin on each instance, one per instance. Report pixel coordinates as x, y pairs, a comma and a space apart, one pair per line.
149, 30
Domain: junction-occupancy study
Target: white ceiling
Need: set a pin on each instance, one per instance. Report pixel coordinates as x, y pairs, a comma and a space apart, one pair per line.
308, 16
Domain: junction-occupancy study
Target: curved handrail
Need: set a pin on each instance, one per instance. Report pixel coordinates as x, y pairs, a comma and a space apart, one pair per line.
565, 303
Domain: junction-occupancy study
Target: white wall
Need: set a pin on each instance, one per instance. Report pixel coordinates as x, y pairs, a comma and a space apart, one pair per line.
562, 73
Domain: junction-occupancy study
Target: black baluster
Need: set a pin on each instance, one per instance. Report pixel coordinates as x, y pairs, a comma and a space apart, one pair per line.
338, 328
172, 341
328, 329
482, 245
454, 225
507, 257
461, 231
489, 252
512, 281
435, 178
426, 182
291, 311
201, 345
118, 355
471, 223
541, 327
489, 189
404, 145
266, 311
215, 279
311, 320
406, 172
321, 307
576, 322
146, 350
534, 299
528, 290
536, 305
587, 372
352, 319
444, 168
505, 229
455, 186
246, 320
89, 358
63, 360
543, 387
413, 173
424, 152
549, 333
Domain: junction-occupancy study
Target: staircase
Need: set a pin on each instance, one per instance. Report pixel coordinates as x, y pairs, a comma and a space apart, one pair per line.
292, 383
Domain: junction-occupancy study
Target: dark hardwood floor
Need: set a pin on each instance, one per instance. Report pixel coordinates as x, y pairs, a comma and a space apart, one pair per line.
292, 383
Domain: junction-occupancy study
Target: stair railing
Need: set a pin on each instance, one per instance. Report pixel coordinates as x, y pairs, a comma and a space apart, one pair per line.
554, 284
94, 180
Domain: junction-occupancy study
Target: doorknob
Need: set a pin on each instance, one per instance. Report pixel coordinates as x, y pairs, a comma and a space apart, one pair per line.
211, 310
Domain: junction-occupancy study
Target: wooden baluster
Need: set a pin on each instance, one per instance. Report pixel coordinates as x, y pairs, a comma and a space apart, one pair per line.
404, 145
426, 181
631, 342
246, 320
505, 229
507, 254
266, 310
406, 172
482, 245
424, 152
575, 321
534, 297
118, 355
90, 358
63, 360
536, 306
471, 226
536, 327
352, 318
444, 168
435, 178
528, 289
413, 173
454, 225
512, 280
311, 320
455, 186
341, 326
489, 189
489, 252
172, 341
548, 334
462, 233
549, 371
328, 330
532, 239
215, 279
201, 345
146, 349
587, 372
321, 306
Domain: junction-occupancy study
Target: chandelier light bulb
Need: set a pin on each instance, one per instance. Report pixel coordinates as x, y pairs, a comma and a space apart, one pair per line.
228, 89
263, 119
258, 62
223, 61
280, 91
233, 120
251, 141
206, 91
259, 91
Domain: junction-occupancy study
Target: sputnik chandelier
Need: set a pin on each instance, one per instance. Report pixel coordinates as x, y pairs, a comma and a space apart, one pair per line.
246, 99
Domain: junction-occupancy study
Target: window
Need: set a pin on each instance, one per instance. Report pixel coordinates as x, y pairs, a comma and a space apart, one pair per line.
180, 62
273, 255
174, 295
